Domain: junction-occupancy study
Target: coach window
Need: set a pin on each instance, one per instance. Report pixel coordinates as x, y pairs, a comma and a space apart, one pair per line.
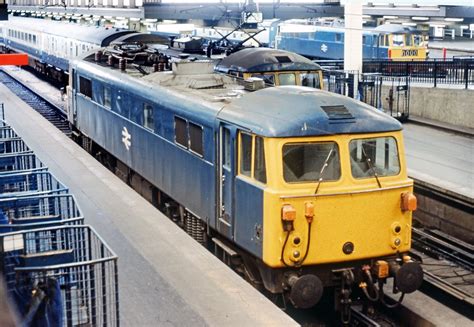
287, 79
148, 118
180, 132
245, 154
195, 139
260, 173
85, 86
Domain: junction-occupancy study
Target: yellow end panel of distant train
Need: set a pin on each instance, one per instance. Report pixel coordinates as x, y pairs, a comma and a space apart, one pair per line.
406, 46
335, 199
312, 78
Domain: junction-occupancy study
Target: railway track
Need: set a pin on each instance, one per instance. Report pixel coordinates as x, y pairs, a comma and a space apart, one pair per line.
448, 265
52, 113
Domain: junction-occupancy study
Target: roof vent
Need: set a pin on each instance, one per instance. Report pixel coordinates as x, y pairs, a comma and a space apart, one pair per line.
337, 112
254, 84
283, 59
193, 67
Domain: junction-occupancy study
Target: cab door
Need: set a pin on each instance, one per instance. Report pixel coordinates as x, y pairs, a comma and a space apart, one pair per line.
225, 179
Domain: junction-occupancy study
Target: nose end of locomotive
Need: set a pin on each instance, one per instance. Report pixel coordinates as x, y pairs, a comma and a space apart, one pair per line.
306, 291
409, 277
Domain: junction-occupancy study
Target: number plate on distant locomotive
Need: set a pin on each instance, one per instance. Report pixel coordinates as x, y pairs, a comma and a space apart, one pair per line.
409, 53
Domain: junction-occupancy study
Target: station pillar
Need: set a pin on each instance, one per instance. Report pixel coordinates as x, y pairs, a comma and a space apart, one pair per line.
353, 38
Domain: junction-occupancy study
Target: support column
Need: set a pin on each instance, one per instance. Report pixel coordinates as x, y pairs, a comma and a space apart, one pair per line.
353, 38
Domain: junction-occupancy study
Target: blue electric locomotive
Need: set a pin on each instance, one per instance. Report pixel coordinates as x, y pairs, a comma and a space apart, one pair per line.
278, 179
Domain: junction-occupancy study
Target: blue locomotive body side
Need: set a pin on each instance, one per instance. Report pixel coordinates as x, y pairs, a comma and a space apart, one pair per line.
187, 177
328, 44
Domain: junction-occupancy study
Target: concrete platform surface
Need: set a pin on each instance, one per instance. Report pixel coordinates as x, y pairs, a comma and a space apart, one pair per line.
165, 277
440, 158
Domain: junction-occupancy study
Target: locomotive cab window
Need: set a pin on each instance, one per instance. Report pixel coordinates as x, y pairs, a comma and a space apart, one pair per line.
374, 156
311, 162
245, 154
287, 79
310, 80
85, 86
398, 40
252, 157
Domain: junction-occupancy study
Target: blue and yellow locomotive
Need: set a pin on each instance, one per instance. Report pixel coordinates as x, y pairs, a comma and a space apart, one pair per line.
394, 42
300, 189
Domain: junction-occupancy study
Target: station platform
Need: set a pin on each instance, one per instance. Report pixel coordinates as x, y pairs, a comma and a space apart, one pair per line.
165, 277
440, 158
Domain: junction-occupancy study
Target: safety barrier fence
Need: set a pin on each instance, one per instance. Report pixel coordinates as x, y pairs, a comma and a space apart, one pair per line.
458, 71
57, 271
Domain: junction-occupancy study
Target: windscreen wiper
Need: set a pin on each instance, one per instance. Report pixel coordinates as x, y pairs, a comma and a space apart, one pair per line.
369, 163
325, 164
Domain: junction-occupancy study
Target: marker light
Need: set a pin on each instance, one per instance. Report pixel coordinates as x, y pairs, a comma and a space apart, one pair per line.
408, 202
288, 213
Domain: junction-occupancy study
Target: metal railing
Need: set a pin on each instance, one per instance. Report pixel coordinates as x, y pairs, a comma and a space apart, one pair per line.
458, 71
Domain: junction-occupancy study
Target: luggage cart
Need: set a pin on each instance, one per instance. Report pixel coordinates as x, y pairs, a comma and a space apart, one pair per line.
30, 212
30, 183
18, 162
64, 276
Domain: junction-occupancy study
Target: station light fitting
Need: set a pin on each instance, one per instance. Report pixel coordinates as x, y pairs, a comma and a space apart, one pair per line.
449, 19
420, 18
390, 17
409, 24
437, 25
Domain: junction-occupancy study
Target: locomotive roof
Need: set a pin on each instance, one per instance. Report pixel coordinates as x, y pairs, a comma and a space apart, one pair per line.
394, 28
286, 111
300, 111
265, 60
93, 34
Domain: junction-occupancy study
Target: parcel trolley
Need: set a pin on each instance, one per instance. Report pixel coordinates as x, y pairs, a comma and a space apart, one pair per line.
64, 276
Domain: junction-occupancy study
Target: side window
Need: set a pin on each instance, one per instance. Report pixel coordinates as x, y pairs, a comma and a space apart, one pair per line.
245, 154
148, 118
195, 139
260, 172
338, 37
227, 148
107, 97
180, 133
85, 86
